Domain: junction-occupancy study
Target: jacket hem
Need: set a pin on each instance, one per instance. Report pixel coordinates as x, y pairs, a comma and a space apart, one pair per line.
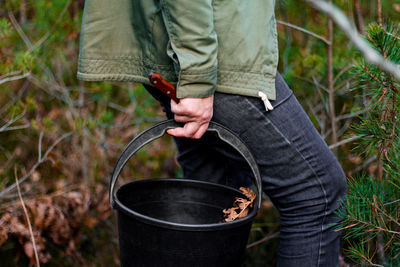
228, 81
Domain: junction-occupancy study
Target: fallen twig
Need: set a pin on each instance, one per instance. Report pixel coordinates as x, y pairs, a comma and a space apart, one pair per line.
27, 218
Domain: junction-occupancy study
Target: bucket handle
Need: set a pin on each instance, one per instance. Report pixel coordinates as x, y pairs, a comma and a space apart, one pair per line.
158, 130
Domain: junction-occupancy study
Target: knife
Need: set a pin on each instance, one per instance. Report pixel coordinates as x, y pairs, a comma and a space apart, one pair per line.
164, 86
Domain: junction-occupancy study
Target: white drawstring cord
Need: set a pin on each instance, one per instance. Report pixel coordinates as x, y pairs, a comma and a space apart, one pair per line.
264, 98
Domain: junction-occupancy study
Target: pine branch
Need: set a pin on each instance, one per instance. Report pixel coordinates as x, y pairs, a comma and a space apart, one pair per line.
372, 226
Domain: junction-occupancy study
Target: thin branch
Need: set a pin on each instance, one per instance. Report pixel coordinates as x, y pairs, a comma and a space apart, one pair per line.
40, 146
20, 31
318, 84
373, 227
19, 127
350, 30
331, 85
319, 87
387, 215
304, 30
344, 70
366, 163
14, 78
10, 74
345, 141
352, 115
15, 97
5, 126
43, 159
29, 44
118, 107
391, 34
379, 12
264, 239
344, 128
392, 202
359, 18
48, 34
27, 218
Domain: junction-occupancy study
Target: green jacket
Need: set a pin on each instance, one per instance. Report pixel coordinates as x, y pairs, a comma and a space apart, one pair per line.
201, 46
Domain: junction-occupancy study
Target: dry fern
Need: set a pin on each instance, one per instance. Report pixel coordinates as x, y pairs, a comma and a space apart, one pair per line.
57, 219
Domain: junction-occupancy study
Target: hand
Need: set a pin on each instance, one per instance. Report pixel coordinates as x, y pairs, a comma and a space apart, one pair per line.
196, 113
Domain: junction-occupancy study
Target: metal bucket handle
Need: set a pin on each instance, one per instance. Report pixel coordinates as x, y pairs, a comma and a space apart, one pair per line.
159, 129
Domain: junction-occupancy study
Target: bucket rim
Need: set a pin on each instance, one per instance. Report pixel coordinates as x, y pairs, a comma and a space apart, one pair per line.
158, 130
120, 207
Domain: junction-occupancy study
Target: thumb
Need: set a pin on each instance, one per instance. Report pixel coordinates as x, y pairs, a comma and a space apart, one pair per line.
177, 132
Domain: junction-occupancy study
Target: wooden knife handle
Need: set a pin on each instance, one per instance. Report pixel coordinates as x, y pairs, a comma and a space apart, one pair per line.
158, 82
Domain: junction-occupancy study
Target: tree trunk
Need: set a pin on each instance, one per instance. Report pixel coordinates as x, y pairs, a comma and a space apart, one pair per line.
331, 85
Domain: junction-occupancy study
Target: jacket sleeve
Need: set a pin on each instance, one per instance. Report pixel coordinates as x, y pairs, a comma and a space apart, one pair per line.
190, 26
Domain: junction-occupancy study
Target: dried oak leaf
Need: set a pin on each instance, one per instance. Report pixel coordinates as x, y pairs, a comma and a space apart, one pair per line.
230, 214
241, 206
249, 194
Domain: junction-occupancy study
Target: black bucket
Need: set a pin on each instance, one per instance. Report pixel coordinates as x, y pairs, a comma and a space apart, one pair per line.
179, 222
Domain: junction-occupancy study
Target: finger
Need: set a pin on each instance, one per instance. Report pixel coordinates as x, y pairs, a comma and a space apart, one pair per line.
170, 132
191, 128
180, 118
188, 130
177, 132
201, 131
177, 109
173, 105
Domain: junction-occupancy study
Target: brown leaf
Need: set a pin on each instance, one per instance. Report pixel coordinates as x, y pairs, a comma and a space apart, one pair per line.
230, 214
243, 213
249, 194
241, 206
242, 203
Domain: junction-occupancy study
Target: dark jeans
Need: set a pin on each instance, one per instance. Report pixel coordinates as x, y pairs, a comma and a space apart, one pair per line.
300, 174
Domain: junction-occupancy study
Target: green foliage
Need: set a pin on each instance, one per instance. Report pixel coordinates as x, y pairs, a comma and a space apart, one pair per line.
5, 28
372, 215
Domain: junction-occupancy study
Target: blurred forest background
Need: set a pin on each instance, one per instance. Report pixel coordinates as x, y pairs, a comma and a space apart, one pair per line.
59, 137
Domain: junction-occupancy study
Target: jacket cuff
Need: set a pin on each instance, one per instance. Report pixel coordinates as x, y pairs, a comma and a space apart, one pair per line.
198, 85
